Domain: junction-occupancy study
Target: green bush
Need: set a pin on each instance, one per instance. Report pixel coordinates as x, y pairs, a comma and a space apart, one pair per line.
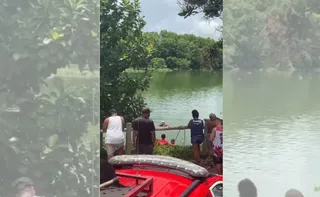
158, 63
103, 153
181, 152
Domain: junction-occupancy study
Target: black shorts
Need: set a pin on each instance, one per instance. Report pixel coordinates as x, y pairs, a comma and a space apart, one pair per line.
145, 149
217, 160
197, 139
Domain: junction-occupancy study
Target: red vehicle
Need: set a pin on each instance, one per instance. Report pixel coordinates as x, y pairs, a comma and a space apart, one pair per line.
160, 176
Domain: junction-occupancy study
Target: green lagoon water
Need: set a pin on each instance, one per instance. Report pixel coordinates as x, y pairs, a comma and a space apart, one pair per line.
272, 133
173, 95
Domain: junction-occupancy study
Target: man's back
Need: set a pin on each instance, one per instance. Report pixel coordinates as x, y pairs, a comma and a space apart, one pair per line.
210, 124
144, 127
115, 124
196, 126
114, 133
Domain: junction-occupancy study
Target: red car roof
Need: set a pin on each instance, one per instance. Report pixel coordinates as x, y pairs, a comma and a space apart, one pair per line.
160, 176
167, 184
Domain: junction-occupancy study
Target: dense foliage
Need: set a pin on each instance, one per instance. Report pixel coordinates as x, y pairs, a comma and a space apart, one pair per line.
209, 8
277, 35
177, 52
43, 128
122, 46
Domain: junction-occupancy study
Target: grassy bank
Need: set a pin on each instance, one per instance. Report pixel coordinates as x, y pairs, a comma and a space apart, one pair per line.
131, 70
181, 152
75, 72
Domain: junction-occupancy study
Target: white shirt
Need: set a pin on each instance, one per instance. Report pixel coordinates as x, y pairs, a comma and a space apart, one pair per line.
114, 133
218, 138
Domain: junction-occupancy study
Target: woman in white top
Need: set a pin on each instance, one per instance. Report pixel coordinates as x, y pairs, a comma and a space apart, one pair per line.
114, 138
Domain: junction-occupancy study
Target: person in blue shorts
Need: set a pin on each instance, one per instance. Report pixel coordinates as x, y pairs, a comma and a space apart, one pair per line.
196, 127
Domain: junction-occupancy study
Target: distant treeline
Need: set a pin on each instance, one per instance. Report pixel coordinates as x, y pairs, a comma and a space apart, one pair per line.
272, 35
184, 52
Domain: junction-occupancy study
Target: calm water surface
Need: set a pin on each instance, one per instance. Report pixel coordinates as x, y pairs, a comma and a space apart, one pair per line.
173, 95
272, 133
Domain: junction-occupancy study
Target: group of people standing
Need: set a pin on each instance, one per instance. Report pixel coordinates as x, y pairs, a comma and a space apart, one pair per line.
144, 136
143, 133
215, 133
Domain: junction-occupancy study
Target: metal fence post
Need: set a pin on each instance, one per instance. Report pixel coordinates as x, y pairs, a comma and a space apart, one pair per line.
205, 144
128, 144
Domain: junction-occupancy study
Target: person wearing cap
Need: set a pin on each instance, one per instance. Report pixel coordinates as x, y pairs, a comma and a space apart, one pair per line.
114, 140
23, 187
144, 135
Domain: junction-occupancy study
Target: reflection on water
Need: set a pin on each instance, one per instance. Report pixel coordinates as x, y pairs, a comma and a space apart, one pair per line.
172, 96
272, 133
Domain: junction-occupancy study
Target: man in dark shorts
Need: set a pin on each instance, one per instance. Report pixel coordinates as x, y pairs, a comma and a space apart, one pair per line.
144, 133
196, 126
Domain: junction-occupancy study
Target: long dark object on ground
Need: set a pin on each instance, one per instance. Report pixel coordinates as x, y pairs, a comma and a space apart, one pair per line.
108, 183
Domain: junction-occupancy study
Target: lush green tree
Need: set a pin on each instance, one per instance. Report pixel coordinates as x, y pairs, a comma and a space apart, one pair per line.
158, 63
41, 132
122, 46
281, 35
185, 51
178, 63
211, 55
